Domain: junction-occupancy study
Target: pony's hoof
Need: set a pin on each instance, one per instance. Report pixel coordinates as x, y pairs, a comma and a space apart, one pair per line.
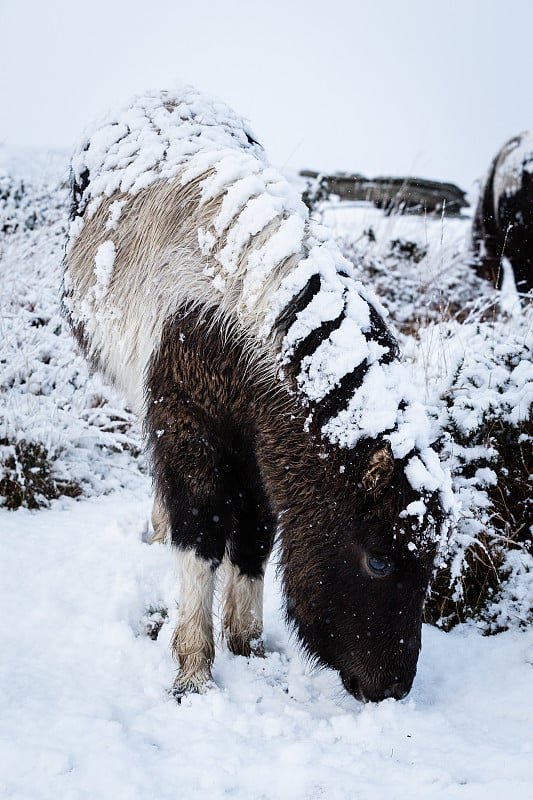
196, 684
240, 646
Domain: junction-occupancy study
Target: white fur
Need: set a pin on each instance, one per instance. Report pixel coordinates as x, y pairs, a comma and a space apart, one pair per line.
160, 523
159, 266
243, 609
192, 642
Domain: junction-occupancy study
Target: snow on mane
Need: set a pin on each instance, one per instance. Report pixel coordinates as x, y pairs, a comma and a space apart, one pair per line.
261, 241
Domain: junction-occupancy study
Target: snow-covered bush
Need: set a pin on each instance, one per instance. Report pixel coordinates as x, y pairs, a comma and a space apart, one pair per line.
58, 424
28, 476
417, 267
27, 205
487, 424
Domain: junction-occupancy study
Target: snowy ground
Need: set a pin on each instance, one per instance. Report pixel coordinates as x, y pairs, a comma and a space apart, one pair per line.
85, 712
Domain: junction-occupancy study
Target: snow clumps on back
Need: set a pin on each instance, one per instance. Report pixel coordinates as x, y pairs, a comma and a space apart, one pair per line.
153, 138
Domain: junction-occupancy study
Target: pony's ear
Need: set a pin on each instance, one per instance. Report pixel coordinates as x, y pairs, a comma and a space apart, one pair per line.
378, 470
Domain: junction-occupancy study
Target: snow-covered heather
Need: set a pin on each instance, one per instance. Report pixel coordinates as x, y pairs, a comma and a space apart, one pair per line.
46, 394
85, 711
416, 265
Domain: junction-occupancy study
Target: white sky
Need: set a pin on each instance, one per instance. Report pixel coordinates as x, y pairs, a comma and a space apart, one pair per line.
380, 87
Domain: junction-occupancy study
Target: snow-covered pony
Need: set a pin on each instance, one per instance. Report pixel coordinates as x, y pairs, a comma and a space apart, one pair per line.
269, 388
502, 230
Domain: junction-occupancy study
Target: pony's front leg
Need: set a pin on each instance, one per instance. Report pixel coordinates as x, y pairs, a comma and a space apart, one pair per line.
192, 642
192, 506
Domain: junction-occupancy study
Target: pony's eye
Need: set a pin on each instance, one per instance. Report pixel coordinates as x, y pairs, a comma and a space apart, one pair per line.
379, 565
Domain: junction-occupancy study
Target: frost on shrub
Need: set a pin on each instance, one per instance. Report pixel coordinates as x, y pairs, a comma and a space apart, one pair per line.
23, 206
27, 476
420, 278
487, 423
62, 431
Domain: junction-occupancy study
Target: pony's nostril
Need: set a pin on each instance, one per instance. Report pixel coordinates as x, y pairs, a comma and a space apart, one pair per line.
396, 690
352, 686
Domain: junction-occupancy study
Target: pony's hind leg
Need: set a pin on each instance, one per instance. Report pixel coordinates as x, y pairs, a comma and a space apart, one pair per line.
192, 641
160, 523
